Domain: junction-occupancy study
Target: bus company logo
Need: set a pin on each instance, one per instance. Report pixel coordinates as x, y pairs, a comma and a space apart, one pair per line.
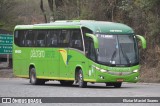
18, 51
116, 31
37, 53
63, 52
6, 100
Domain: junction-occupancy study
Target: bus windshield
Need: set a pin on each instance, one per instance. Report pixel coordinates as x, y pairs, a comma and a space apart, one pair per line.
117, 50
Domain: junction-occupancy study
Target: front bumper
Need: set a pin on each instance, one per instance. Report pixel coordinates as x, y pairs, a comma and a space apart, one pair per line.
107, 77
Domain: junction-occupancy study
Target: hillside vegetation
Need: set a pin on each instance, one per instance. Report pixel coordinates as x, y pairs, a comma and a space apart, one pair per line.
142, 15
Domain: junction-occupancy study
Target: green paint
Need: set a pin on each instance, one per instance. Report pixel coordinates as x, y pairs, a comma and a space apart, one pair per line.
143, 41
50, 63
95, 40
95, 26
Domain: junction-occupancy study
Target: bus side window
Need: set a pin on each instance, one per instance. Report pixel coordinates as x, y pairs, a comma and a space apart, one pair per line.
29, 41
64, 38
40, 41
86, 30
90, 50
76, 40
52, 39
19, 38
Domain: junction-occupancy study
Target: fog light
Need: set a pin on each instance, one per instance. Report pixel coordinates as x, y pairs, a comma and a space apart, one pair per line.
101, 77
136, 78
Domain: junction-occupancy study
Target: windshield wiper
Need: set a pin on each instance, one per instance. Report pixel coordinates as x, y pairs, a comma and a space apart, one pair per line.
125, 56
113, 55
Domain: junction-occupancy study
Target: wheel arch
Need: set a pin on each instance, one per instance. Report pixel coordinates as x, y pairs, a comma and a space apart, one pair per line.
78, 67
30, 67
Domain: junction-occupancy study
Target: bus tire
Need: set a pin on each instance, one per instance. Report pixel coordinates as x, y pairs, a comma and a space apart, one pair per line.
33, 79
117, 84
81, 82
66, 83
109, 84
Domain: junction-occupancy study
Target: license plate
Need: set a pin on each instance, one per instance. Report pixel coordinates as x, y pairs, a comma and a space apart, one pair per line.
120, 80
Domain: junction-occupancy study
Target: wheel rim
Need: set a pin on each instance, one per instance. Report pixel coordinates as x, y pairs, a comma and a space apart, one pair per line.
80, 79
32, 77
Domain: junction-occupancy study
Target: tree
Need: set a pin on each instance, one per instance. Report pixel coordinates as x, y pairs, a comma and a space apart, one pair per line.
7, 14
43, 11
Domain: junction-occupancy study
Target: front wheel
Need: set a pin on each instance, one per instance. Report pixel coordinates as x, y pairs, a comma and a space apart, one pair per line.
117, 84
33, 79
81, 82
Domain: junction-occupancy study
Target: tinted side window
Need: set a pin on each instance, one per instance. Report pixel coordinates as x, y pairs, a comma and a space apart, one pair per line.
76, 40
41, 38
19, 37
91, 50
92, 53
30, 38
52, 39
64, 38
86, 30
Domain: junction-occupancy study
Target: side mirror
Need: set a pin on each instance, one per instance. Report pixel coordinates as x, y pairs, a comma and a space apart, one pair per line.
95, 40
143, 41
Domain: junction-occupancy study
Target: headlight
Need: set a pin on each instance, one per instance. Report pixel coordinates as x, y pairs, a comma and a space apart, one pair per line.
135, 71
97, 68
102, 70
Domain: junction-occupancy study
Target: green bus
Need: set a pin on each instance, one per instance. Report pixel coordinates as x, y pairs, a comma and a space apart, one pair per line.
79, 51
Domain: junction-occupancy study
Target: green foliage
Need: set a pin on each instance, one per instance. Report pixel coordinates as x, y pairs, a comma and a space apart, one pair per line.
142, 15
7, 15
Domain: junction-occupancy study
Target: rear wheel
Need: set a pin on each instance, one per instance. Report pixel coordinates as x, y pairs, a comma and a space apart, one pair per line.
81, 82
66, 83
33, 79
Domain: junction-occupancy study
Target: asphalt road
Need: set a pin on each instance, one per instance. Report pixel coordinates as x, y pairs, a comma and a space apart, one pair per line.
17, 87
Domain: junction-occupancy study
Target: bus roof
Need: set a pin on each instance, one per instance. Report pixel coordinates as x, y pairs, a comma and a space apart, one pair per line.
95, 26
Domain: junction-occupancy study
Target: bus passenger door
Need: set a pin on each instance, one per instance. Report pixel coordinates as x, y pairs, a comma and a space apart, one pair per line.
91, 55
